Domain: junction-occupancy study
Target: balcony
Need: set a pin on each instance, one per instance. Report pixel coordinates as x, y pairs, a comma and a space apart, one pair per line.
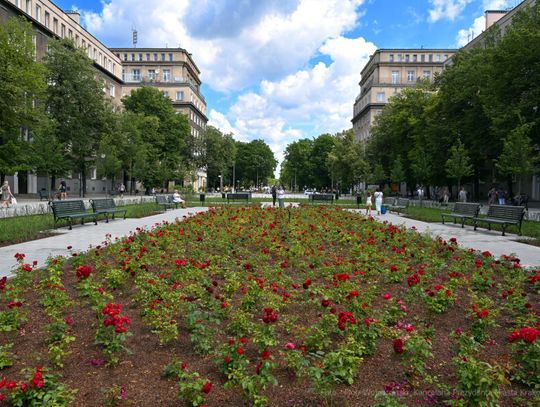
130, 78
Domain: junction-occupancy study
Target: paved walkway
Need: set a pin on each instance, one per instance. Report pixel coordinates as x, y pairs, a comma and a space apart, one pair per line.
82, 237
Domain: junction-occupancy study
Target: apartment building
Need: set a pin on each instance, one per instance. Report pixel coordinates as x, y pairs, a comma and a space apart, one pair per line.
387, 73
171, 70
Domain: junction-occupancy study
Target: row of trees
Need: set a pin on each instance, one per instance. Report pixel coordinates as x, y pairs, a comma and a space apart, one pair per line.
477, 122
70, 127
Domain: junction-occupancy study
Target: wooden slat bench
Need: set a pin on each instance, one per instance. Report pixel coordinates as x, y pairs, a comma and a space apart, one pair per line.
165, 201
503, 215
322, 197
239, 196
399, 205
71, 210
463, 211
106, 206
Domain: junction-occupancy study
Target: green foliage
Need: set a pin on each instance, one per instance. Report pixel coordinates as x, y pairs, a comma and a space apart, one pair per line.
457, 165
6, 356
254, 160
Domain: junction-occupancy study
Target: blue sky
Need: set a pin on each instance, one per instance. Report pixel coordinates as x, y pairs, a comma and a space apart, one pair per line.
281, 70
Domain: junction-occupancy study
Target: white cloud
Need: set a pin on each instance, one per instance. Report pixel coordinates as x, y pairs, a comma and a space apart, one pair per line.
464, 36
449, 9
497, 4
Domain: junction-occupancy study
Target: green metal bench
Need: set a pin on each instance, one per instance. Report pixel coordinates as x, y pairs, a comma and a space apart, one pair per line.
321, 197
503, 215
463, 211
399, 205
70, 210
106, 206
239, 196
165, 201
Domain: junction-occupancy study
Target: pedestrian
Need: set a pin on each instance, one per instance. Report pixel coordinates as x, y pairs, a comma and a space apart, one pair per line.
462, 196
378, 200
446, 195
368, 204
122, 189
63, 189
7, 196
492, 196
274, 195
281, 196
501, 196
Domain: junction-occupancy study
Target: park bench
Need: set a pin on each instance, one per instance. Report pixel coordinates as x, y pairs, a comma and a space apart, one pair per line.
238, 196
71, 210
43, 194
106, 206
503, 215
165, 201
322, 197
397, 205
463, 211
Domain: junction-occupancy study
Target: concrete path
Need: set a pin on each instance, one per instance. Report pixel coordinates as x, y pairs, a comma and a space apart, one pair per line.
82, 237
481, 239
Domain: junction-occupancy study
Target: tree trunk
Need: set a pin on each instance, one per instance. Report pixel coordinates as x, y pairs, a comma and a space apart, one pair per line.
83, 181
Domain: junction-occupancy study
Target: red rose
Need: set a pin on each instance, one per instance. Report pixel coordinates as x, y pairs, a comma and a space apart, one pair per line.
83, 271
265, 355
227, 359
529, 335
240, 350
398, 345
206, 387
306, 284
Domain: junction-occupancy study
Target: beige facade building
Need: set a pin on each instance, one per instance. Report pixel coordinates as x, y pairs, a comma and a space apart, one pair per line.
121, 70
387, 72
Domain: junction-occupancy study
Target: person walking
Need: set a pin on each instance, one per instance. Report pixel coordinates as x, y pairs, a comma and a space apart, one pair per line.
122, 189
378, 200
63, 189
501, 196
462, 196
368, 204
7, 196
274, 195
281, 196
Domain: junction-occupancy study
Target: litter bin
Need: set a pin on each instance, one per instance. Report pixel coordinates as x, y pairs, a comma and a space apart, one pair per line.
223, 195
358, 201
202, 198
337, 196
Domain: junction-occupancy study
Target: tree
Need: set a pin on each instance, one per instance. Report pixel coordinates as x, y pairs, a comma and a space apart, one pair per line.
516, 157
219, 155
296, 167
254, 160
322, 146
22, 84
75, 102
458, 165
378, 176
397, 173
167, 149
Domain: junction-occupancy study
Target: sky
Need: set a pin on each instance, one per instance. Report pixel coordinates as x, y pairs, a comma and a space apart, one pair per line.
283, 70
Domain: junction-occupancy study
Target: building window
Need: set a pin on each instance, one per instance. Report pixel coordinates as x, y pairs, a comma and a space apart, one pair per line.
170, 57
406, 57
163, 57
18, 3
380, 97
140, 57
77, 39
123, 74
422, 58
410, 76
166, 75
38, 13
155, 57
70, 34
29, 7
125, 57
62, 30
166, 93
133, 57
395, 77
152, 74
47, 18
399, 57
445, 57
179, 95
430, 57
391, 57
148, 57
136, 74
414, 57
112, 91
427, 74
438, 58
55, 25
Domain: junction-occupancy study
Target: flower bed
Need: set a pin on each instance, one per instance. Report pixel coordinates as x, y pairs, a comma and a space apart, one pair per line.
278, 307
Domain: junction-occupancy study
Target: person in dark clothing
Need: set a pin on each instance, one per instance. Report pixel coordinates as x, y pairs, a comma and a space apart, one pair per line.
274, 195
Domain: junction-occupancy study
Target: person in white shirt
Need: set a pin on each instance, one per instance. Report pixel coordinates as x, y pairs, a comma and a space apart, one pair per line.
178, 199
281, 196
378, 200
368, 204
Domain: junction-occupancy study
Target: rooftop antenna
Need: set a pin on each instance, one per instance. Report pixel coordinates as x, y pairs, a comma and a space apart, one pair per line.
134, 36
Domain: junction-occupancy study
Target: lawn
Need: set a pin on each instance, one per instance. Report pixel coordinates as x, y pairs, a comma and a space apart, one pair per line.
248, 306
